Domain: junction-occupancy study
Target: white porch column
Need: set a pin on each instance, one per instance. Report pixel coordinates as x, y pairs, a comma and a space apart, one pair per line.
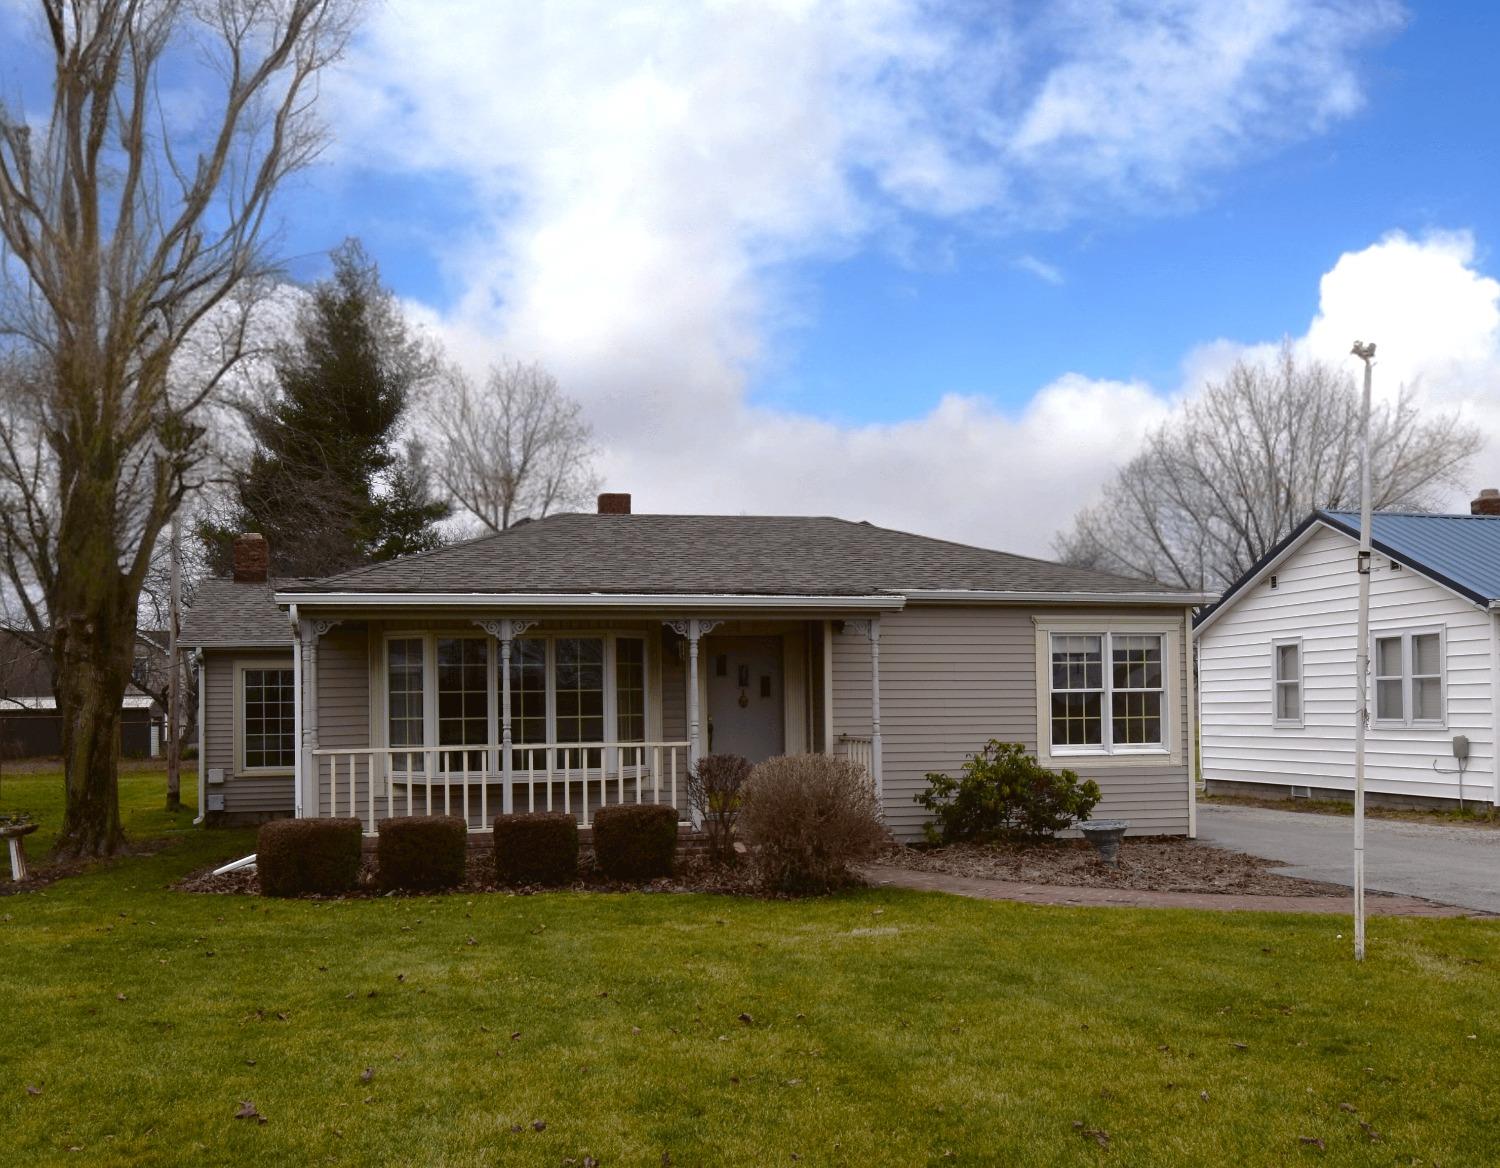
694, 630
301, 688
507, 804
828, 687
505, 633
875, 760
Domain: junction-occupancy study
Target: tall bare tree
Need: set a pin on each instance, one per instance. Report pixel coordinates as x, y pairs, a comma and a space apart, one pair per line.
120, 246
1220, 484
516, 448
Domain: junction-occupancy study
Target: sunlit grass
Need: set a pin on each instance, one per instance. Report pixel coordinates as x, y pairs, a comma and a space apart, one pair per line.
883, 1028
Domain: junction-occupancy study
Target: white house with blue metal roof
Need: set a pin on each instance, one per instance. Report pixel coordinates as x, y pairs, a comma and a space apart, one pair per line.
1276, 662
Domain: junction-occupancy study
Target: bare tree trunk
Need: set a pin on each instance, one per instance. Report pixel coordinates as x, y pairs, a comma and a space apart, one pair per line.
174, 677
92, 651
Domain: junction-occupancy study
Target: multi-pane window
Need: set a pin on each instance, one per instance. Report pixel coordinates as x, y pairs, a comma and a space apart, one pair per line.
1094, 708
563, 689
1135, 703
268, 719
528, 691
1077, 690
630, 689
579, 689
404, 671
1409, 677
463, 698
1286, 685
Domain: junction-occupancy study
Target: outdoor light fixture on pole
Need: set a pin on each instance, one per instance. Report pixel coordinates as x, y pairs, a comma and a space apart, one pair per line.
1366, 353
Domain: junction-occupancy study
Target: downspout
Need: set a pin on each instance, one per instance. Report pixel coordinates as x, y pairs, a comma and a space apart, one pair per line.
1190, 665
202, 762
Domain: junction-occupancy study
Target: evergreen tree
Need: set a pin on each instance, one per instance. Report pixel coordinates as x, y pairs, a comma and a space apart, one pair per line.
326, 484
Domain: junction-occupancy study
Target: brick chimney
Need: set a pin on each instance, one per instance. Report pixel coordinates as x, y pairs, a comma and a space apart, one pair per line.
1487, 503
619, 504
252, 558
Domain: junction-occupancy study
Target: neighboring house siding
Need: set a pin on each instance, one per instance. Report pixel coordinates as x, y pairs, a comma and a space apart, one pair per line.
1316, 599
953, 678
244, 795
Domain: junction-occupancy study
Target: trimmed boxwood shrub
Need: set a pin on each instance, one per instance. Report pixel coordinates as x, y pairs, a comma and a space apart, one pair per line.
421, 853
301, 857
536, 848
635, 841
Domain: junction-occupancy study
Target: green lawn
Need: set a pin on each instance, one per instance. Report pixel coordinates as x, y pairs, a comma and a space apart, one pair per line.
888, 1028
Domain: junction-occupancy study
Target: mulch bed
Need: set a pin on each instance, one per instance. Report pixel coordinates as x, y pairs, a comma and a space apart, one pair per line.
1148, 863
694, 874
45, 871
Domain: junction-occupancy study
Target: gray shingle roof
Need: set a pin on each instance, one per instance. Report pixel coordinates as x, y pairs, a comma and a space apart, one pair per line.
713, 555
1462, 551
230, 614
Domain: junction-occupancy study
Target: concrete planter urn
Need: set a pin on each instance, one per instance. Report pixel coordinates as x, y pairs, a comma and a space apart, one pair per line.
1105, 835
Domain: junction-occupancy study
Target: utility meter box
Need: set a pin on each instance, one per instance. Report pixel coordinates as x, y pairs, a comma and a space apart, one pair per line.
215, 776
215, 801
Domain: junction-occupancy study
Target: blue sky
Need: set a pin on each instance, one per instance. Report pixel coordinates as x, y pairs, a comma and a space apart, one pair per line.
935, 265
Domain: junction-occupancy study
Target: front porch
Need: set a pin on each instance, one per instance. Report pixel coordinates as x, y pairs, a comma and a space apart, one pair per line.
565, 712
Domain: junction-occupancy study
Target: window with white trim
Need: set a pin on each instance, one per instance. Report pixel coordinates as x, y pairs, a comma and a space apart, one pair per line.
268, 711
1408, 668
1286, 682
1118, 709
445, 690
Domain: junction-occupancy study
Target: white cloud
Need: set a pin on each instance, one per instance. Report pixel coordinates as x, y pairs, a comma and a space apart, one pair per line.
1041, 269
641, 175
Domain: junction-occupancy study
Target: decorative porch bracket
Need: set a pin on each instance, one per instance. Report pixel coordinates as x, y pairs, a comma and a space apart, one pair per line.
871, 629
505, 631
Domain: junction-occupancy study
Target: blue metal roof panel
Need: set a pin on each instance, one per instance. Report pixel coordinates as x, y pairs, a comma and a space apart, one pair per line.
1462, 551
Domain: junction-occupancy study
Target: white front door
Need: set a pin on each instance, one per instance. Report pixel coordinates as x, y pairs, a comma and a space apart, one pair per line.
745, 700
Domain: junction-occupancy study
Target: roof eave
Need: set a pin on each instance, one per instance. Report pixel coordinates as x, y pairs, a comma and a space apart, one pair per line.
652, 601
989, 596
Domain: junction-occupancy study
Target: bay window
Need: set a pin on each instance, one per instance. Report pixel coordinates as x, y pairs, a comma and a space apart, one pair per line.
1105, 690
445, 691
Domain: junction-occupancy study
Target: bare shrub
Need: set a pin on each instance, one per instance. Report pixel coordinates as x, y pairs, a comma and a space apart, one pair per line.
807, 817
716, 792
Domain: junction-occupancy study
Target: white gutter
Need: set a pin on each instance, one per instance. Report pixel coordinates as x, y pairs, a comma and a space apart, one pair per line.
623, 600
986, 596
202, 762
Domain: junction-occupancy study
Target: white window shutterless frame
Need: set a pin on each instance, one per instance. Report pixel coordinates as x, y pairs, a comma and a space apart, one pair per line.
1286, 681
564, 687
1108, 690
1407, 667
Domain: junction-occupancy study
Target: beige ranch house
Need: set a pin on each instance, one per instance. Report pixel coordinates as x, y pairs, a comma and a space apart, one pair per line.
589, 659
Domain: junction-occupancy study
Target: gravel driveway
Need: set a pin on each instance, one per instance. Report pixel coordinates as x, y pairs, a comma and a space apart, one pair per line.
1451, 865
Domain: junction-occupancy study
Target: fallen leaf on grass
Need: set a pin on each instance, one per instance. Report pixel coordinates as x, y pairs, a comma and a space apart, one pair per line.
538, 1125
1370, 1133
515, 1034
1349, 1107
1312, 1142
119, 997
33, 1090
247, 1111
367, 1074
747, 1020
1203, 1095
1240, 1045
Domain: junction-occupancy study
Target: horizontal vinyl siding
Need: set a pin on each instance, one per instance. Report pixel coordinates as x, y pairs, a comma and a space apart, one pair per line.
1316, 599
343, 701
243, 794
953, 678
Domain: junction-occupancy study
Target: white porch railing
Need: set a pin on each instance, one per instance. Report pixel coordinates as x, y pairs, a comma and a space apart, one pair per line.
372, 783
859, 750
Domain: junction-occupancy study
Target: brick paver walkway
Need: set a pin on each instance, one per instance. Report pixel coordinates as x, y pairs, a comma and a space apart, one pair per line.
985, 889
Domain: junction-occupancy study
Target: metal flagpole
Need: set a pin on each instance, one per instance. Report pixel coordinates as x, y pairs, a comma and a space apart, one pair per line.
1366, 353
